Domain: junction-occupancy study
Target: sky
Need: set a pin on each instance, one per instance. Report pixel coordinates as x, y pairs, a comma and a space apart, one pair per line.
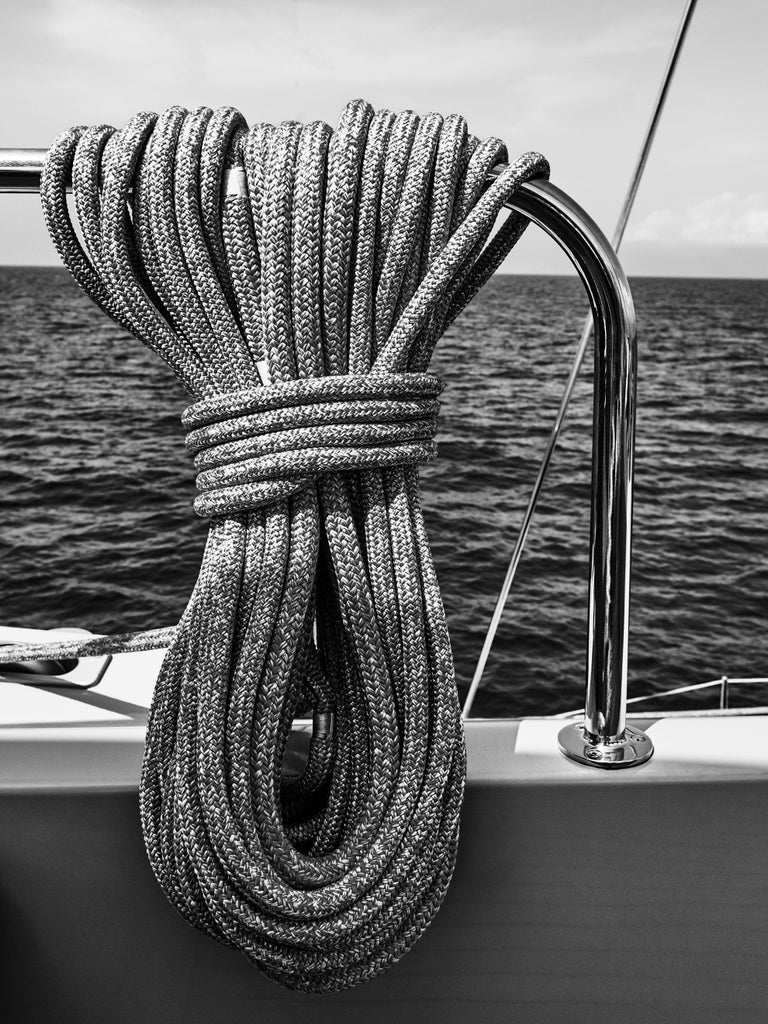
573, 79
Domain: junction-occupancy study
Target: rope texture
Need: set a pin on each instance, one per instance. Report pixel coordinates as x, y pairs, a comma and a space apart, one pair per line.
344, 259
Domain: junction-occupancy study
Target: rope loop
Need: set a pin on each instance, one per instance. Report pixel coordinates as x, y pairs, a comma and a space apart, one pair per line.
258, 445
335, 260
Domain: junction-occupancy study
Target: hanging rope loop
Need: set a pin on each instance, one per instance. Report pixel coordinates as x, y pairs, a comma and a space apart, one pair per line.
255, 446
336, 258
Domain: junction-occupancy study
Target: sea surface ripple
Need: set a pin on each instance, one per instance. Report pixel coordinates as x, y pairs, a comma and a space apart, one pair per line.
97, 486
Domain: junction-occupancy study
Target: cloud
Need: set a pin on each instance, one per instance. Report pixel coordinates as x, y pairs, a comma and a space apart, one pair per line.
727, 219
436, 49
575, 81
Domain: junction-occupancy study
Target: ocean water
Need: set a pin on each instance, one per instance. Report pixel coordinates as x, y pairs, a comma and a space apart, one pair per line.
97, 528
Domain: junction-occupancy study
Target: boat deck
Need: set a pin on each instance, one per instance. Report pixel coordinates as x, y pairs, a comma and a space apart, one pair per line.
580, 895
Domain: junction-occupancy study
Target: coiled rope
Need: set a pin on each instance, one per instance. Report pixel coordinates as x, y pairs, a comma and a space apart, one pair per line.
337, 261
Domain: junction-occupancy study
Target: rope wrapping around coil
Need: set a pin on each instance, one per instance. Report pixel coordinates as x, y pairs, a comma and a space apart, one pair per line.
269, 442
345, 257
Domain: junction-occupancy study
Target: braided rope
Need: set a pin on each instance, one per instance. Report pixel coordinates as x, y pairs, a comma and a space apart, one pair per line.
340, 264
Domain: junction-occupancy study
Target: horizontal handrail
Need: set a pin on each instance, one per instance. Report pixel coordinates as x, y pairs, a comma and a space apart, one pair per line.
20, 169
724, 682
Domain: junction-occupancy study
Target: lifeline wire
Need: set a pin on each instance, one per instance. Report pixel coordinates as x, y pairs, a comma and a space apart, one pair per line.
344, 259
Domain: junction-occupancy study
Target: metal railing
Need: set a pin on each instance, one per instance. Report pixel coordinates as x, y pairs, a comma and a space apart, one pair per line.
724, 683
618, 234
604, 738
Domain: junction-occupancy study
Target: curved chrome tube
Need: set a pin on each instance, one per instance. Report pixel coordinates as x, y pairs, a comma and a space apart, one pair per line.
604, 739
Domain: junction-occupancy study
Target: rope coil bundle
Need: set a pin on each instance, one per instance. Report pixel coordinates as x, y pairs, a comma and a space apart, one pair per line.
339, 263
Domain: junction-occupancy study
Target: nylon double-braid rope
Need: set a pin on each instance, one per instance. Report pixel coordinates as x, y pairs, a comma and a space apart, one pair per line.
339, 264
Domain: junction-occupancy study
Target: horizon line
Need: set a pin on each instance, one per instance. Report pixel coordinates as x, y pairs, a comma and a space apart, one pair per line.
497, 273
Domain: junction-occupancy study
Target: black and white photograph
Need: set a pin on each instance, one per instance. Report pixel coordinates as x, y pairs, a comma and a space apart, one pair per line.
384, 512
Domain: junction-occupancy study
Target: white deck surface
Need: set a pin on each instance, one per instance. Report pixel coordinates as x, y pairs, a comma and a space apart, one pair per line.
56, 738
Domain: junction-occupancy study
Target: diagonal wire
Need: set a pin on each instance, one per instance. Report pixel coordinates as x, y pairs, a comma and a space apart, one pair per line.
586, 334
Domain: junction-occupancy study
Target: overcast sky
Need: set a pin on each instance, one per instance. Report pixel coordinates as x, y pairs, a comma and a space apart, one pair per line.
574, 79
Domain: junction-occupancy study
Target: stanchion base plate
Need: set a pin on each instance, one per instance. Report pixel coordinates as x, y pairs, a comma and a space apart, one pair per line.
632, 750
